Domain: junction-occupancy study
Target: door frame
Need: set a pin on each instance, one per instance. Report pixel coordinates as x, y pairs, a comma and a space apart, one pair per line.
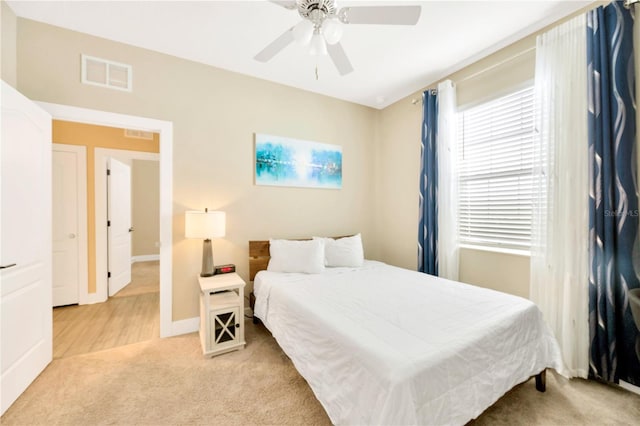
168, 327
81, 188
101, 156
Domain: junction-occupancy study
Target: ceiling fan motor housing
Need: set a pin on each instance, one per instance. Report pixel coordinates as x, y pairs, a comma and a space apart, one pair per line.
316, 10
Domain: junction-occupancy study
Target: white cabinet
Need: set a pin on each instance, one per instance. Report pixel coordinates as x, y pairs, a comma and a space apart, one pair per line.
221, 313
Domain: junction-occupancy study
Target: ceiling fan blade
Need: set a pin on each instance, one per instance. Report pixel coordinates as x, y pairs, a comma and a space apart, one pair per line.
291, 4
382, 15
275, 46
339, 58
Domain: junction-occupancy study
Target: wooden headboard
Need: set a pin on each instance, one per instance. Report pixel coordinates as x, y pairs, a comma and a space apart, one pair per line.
259, 255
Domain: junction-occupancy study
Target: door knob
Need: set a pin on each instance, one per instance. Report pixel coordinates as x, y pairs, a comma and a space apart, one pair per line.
72, 236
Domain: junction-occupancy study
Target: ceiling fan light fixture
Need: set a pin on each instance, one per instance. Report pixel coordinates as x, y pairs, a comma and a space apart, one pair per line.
332, 30
322, 26
303, 32
318, 46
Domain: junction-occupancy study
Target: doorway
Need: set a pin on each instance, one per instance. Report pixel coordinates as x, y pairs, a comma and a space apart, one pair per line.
105, 285
135, 315
168, 327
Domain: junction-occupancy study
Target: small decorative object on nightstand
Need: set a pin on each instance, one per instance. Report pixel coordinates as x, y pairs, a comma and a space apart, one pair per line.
221, 313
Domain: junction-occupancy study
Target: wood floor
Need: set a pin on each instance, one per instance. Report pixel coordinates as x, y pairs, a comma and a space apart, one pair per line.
119, 321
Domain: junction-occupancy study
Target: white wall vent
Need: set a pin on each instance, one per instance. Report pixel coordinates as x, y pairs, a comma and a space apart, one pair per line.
138, 134
105, 73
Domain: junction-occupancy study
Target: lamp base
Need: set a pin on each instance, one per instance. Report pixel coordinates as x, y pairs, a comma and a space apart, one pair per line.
207, 259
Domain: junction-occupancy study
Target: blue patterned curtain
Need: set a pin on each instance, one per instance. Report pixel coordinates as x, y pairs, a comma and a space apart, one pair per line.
428, 225
613, 204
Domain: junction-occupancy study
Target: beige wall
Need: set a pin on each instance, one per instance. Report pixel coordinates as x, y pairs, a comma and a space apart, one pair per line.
499, 271
145, 207
8, 45
215, 114
397, 170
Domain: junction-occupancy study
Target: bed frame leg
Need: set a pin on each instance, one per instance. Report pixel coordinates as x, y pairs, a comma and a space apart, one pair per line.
252, 304
541, 381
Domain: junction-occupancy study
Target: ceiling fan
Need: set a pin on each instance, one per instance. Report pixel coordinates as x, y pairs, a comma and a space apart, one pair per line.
321, 27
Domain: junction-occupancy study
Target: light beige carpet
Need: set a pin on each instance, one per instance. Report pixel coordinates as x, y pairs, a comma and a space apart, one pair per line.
169, 382
145, 278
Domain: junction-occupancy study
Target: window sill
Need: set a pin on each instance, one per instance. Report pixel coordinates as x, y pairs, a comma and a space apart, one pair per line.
515, 252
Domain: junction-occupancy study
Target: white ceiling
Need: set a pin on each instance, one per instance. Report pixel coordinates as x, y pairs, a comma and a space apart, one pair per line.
391, 62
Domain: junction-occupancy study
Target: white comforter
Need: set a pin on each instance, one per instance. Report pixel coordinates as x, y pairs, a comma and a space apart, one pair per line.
384, 345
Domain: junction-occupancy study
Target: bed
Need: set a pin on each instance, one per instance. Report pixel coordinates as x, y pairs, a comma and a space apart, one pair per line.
384, 345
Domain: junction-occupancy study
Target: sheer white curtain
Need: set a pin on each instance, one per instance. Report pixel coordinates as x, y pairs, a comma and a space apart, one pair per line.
447, 140
559, 251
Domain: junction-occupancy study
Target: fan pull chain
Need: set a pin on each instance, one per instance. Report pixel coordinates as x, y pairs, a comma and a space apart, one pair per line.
317, 78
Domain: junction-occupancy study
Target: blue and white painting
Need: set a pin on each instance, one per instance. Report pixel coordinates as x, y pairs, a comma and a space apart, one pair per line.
291, 162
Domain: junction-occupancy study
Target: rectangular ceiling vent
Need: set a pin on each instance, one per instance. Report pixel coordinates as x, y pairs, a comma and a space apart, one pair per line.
138, 134
105, 73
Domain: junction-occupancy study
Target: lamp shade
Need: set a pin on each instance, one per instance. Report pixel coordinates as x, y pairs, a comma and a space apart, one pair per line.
317, 47
332, 30
199, 224
303, 31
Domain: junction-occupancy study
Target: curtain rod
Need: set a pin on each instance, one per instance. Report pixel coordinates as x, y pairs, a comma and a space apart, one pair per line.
498, 64
415, 101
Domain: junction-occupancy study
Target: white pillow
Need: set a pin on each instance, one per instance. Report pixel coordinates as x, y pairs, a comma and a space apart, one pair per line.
345, 251
296, 256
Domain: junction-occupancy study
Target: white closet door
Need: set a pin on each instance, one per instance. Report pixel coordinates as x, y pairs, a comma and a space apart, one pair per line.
25, 244
66, 229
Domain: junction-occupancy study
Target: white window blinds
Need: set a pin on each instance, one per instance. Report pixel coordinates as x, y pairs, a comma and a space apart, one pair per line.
496, 158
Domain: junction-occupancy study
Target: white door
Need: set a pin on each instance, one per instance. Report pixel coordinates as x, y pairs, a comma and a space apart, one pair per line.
68, 161
119, 225
25, 244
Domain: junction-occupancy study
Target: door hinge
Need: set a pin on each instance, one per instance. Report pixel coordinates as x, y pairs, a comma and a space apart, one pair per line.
108, 274
108, 223
108, 172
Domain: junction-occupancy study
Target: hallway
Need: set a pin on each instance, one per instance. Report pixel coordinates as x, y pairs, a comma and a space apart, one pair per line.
132, 315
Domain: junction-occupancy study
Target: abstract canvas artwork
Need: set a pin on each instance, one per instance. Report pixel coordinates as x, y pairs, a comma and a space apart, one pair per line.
284, 161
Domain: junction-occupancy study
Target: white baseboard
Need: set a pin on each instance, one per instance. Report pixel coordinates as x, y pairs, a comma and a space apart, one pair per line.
184, 326
629, 387
145, 258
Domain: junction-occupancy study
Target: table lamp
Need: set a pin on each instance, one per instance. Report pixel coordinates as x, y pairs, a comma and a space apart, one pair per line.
206, 225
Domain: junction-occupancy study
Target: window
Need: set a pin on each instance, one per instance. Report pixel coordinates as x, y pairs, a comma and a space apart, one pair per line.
495, 172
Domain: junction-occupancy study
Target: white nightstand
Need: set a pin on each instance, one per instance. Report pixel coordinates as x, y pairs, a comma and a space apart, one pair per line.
221, 313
